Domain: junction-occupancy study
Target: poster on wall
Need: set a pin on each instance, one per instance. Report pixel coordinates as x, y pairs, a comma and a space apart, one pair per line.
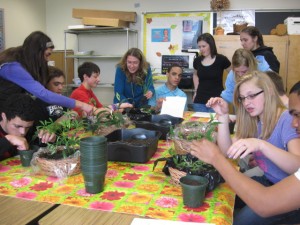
228, 18
170, 33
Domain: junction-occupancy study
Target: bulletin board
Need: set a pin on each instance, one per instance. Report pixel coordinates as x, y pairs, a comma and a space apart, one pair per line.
170, 33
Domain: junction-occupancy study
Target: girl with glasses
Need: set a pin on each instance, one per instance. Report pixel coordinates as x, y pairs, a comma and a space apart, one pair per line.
264, 129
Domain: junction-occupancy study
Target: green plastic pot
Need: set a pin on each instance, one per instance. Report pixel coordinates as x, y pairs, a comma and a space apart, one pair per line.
193, 190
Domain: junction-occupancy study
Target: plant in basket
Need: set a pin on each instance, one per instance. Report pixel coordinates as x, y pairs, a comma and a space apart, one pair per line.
60, 158
181, 162
178, 166
184, 133
106, 122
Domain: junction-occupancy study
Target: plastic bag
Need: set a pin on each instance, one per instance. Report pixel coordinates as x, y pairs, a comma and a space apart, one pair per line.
197, 167
60, 168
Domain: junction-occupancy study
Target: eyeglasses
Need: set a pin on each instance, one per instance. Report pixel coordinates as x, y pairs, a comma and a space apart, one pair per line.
249, 97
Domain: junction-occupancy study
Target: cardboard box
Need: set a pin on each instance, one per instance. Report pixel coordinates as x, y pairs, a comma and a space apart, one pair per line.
293, 25
105, 22
121, 15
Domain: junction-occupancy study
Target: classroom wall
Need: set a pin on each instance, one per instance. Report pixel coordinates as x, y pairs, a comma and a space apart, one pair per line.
21, 17
59, 13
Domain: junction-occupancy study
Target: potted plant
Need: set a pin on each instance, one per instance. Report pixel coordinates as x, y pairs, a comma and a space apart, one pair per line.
184, 133
181, 162
60, 158
105, 122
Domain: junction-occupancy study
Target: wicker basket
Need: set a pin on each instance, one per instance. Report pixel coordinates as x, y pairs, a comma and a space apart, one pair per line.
239, 27
182, 147
176, 175
59, 168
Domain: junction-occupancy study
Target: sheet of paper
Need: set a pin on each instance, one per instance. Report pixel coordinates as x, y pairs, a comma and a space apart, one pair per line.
140, 221
173, 106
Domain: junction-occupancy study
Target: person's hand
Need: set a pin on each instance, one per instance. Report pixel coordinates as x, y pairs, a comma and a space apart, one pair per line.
149, 94
219, 105
46, 137
159, 103
86, 108
243, 147
125, 105
205, 150
20, 142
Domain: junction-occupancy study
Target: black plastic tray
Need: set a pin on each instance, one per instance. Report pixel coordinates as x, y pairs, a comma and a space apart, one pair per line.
132, 145
160, 123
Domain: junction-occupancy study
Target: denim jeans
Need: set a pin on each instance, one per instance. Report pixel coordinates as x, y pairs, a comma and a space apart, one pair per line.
246, 216
202, 108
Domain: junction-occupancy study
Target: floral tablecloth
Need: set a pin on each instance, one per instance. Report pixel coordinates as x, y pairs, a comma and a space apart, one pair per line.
129, 188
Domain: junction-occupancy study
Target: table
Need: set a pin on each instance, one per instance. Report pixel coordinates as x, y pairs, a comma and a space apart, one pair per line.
130, 188
65, 214
19, 211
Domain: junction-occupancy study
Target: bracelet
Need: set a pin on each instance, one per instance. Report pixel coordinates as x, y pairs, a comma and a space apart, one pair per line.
113, 107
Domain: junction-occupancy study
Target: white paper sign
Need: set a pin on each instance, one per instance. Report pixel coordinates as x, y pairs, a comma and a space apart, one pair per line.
173, 106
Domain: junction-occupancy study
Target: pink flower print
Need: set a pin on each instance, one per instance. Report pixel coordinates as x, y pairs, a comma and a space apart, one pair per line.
105, 206
26, 195
191, 218
21, 182
124, 184
140, 168
167, 202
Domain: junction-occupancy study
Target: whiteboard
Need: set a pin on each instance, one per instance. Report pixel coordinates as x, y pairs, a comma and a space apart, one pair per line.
170, 33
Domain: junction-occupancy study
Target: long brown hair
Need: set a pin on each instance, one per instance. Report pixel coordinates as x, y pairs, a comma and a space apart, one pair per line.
141, 73
273, 107
31, 55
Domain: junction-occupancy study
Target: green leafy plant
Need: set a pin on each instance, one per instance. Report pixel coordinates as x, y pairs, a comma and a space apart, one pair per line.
145, 83
67, 141
197, 130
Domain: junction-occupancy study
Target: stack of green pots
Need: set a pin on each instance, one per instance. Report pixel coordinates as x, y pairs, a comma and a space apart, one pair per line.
93, 161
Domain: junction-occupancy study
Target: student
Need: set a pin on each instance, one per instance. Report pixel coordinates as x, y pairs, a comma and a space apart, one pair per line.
17, 117
277, 80
89, 74
133, 79
55, 83
243, 62
252, 40
281, 197
25, 68
263, 128
170, 88
208, 72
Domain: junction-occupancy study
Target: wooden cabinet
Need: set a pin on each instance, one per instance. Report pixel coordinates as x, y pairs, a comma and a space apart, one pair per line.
293, 61
286, 48
58, 56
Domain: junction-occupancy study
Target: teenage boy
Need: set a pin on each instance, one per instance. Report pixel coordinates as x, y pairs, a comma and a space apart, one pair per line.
170, 88
55, 83
17, 117
89, 74
279, 198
